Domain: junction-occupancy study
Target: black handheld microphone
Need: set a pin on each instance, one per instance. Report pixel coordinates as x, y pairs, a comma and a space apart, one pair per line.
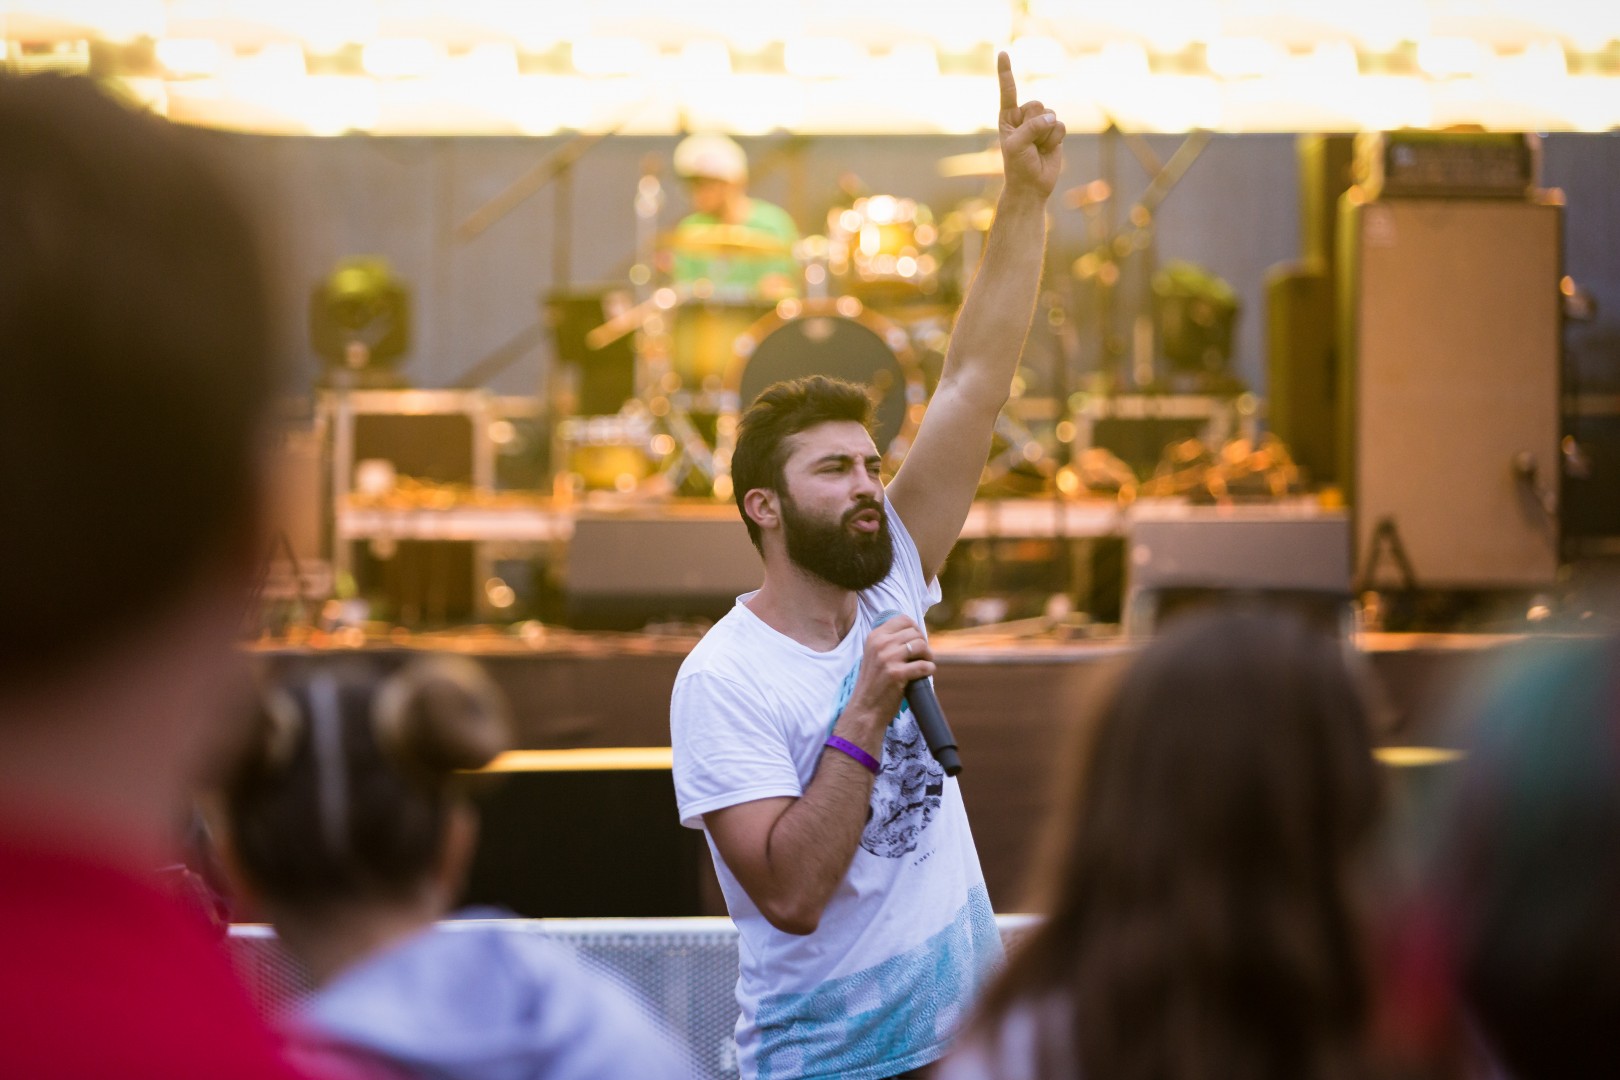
936, 731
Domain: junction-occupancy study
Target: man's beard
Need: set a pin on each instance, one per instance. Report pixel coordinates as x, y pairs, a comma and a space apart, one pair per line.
833, 552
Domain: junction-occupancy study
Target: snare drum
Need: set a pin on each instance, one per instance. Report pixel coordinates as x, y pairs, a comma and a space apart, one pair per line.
841, 339
883, 248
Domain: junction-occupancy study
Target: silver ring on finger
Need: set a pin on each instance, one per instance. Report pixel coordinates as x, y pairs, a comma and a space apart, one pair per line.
909, 644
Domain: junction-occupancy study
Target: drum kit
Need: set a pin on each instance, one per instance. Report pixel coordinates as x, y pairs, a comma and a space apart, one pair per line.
874, 302
867, 310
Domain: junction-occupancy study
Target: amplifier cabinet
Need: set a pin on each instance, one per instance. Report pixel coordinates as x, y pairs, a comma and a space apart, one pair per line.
1452, 320
1477, 164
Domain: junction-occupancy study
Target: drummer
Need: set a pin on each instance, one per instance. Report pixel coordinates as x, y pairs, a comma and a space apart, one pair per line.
741, 246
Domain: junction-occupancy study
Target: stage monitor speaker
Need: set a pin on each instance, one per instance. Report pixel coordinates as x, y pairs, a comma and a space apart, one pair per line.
626, 570
1181, 556
1302, 375
1450, 396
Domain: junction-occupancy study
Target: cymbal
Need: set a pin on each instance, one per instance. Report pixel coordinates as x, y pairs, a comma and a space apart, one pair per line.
980, 163
722, 239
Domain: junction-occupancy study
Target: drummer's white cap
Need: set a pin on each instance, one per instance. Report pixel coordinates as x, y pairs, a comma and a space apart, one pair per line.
711, 156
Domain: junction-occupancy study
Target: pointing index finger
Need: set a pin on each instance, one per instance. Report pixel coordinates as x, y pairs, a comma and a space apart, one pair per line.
1009, 88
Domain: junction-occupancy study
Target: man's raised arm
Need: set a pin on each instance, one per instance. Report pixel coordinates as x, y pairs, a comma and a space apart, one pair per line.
935, 486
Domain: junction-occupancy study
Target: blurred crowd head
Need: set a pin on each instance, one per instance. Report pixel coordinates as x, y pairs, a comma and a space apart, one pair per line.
352, 778
1527, 881
135, 374
1206, 906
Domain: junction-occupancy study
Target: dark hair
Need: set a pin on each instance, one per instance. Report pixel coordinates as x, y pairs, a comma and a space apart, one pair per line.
135, 371
782, 410
1203, 922
343, 792
1529, 873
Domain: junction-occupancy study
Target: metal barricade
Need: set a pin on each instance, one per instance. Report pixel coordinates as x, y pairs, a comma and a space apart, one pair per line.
681, 972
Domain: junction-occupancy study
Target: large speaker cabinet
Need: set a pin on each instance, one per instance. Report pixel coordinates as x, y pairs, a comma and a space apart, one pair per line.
1451, 396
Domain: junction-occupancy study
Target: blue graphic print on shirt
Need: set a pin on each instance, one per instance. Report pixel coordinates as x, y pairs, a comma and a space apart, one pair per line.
909, 783
889, 1018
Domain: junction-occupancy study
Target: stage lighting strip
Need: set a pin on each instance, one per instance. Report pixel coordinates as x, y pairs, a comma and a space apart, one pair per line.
1413, 756
592, 759
642, 758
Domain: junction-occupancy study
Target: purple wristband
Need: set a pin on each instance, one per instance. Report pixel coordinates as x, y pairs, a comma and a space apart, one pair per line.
862, 758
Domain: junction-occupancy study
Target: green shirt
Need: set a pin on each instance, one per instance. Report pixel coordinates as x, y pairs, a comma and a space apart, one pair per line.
736, 275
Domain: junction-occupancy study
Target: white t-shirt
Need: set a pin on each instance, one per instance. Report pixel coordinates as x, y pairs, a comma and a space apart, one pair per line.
908, 937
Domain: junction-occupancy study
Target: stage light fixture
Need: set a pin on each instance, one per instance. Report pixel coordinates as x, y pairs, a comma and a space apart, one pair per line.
359, 319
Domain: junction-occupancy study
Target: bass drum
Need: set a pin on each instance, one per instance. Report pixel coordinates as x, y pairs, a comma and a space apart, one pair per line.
841, 339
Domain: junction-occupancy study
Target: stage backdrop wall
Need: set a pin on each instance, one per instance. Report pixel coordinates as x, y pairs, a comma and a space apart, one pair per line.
1236, 212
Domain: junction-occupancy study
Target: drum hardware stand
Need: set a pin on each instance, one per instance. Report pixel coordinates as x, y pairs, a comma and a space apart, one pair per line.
1386, 538
670, 415
556, 167
967, 223
649, 202
814, 254
503, 356
693, 455
302, 611
1051, 307
1023, 448
1112, 244
670, 409
550, 168
789, 152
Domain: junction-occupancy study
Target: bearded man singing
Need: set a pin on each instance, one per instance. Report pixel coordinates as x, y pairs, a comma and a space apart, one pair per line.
842, 848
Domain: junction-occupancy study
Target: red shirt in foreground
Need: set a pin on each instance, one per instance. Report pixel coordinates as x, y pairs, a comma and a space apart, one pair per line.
103, 976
